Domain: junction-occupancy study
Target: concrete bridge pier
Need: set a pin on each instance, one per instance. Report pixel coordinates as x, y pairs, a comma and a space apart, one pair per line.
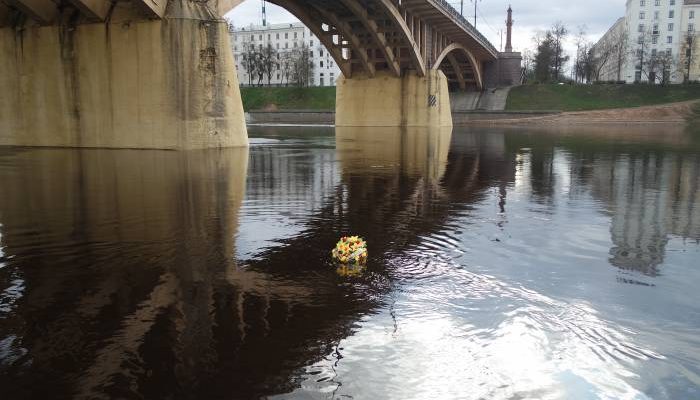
389, 101
130, 81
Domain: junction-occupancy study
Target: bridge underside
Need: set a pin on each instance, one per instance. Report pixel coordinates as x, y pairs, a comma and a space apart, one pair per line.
147, 74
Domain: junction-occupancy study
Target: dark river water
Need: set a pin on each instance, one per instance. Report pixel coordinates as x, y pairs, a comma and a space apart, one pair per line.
504, 264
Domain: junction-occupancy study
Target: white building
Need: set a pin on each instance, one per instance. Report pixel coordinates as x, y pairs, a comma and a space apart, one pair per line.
285, 39
655, 27
616, 57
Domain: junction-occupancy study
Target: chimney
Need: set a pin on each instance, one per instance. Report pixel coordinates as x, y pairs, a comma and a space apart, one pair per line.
509, 24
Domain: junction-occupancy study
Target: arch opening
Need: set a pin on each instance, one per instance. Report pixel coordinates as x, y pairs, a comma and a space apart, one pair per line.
460, 66
360, 36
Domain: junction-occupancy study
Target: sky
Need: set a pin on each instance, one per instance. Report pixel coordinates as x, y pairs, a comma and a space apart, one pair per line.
530, 16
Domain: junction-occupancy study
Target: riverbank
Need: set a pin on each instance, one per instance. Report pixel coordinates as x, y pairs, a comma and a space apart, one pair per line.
288, 98
674, 113
596, 97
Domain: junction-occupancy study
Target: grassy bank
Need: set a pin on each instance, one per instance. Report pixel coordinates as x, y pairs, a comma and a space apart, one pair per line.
596, 97
288, 98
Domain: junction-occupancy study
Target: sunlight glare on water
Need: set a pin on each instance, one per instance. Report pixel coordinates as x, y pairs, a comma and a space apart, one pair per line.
503, 264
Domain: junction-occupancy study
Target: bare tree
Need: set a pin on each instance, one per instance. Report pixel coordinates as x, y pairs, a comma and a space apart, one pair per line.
582, 48
249, 61
689, 56
620, 49
559, 33
589, 63
642, 55
600, 60
303, 66
268, 62
287, 66
528, 63
666, 65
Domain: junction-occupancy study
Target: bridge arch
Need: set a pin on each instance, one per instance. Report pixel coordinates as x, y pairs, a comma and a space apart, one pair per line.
367, 35
463, 66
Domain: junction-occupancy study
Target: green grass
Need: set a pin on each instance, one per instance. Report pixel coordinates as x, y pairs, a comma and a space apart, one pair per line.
694, 121
288, 98
596, 97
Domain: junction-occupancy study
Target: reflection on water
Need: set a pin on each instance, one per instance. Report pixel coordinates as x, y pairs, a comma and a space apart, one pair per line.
503, 264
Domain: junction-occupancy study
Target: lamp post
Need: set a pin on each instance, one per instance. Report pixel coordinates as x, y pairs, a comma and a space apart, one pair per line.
475, 2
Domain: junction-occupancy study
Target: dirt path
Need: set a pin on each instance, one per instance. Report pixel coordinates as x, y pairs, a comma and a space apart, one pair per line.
673, 113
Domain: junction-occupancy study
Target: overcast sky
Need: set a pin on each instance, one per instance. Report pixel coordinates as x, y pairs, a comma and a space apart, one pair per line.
529, 15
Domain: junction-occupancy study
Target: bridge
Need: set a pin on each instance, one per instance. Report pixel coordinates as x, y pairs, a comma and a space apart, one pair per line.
160, 73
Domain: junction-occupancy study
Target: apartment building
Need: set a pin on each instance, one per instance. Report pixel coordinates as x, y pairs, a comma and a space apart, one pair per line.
653, 28
284, 39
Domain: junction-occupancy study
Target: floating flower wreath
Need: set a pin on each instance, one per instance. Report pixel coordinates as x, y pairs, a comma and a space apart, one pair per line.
350, 250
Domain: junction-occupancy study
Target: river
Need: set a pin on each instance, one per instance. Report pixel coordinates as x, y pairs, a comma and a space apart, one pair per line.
503, 264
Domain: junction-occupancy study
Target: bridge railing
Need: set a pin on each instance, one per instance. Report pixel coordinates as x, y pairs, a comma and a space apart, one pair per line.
465, 24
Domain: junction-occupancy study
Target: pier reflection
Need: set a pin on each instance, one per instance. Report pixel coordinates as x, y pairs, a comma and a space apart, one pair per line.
118, 259
207, 274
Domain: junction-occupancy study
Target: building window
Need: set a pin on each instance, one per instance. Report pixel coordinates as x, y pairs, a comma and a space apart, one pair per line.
691, 27
669, 52
670, 27
642, 3
321, 64
278, 36
671, 13
286, 36
691, 14
669, 39
640, 28
260, 37
269, 37
642, 15
311, 43
657, 3
638, 76
295, 35
252, 38
656, 15
673, 2
654, 39
655, 31
653, 52
286, 45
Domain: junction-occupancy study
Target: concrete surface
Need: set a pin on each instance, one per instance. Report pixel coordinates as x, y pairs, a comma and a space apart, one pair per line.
128, 83
386, 100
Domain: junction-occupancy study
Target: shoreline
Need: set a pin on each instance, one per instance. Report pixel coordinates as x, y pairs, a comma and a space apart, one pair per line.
670, 113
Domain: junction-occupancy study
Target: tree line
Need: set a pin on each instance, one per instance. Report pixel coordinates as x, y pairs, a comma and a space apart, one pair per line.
261, 63
548, 61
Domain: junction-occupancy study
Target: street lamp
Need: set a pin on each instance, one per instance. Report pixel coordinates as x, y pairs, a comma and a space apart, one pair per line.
475, 2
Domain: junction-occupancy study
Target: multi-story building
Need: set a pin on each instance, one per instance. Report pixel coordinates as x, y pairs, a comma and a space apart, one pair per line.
690, 22
612, 48
286, 40
656, 33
